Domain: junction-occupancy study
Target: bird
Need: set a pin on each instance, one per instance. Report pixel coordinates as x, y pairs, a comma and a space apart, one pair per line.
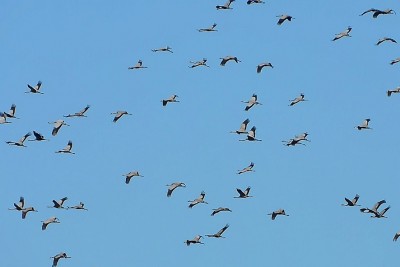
227, 5
198, 200
49, 221
21, 141
20, 205
297, 100
35, 89
353, 202
131, 174
220, 232
244, 194
374, 209
251, 102
385, 39
377, 12
224, 60
218, 210
139, 65
78, 114
262, 65
364, 125
80, 206
119, 114
163, 49
282, 18
277, 212
396, 236
297, 140
38, 137
199, 63
381, 214
169, 100
11, 113
58, 204
249, 2
209, 29
394, 91
25, 211
57, 126
67, 149
394, 61
59, 256
247, 169
3, 118
251, 136
345, 33
195, 240
174, 186
242, 128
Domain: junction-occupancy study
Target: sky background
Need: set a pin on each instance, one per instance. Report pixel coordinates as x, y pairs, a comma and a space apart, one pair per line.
81, 51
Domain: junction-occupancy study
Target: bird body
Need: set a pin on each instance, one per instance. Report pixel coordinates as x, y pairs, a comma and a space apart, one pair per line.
38, 137
395, 61
394, 91
297, 140
377, 12
25, 211
249, 2
174, 186
396, 236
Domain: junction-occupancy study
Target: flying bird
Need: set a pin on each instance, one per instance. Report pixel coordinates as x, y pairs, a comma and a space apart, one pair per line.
282, 18
244, 194
262, 65
297, 140
242, 128
377, 12
353, 202
345, 33
25, 211
59, 256
364, 125
3, 118
38, 137
79, 114
220, 232
49, 221
251, 136
169, 100
227, 5
297, 100
394, 61
67, 149
139, 65
163, 49
394, 91
199, 63
11, 113
174, 186
374, 209
209, 29
131, 174
20, 142
386, 39
198, 200
218, 210
381, 214
119, 114
396, 236
57, 126
251, 102
224, 60
247, 169
249, 2
80, 206
35, 89
195, 240
278, 212
20, 205
58, 204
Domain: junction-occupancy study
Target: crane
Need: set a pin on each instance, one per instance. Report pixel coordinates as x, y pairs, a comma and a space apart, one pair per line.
169, 100
199, 63
209, 29
49, 221
131, 174
174, 186
277, 212
3, 118
38, 137
394, 91
25, 211
20, 205
374, 209
35, 89
198, 200
282, 18
364, 125
395, 61
80, 206
56, 258
353, 202
20, 142
263, 65
251, 136
224, 60
220, 209
297, 100
139, 65
244, 194
58, 204
118, 114
242, 128
80, 113
163, 49
251, 102
67, 149
249, 2
345, 33
227, 5
195, 240
247, 169
386, 39
11, 113
377, 12
220, 232
57, 126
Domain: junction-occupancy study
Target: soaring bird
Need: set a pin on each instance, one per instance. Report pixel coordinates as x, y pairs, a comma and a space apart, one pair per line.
227, 5
21, 141
394, 91
67, 149
174, 186
195, 240
35, 89
80, 206
364, 125
251, 136
247, 169
220, 232
386, 39
169, 100
277, 212
38, 137
353, 202
139, 65
198, 200
131, 174
377, 12
118, 114
199, 63
57, 126
11, 113
282, 18
49, 221
251, 102
262, 65
163, 49
242, 128
59, 256
220, 209
20, 205
345, 33
224, 60
297, 100
58, 204
244, 194
79, 114
209, 29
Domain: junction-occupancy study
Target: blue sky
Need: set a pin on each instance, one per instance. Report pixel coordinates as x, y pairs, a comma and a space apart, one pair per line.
81, 51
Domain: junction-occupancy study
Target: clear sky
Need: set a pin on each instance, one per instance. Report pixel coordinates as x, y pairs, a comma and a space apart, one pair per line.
81, 51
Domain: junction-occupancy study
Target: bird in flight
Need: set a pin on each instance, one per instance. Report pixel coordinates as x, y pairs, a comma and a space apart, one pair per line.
35, 89
345, 33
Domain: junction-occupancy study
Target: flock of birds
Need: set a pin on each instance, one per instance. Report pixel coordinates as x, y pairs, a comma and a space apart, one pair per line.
250, 135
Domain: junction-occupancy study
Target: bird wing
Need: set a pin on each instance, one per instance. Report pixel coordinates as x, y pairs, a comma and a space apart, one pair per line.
69, 146
241, 194
220, 232
247, 191
378, 204
243, 126
369, 10
349, 202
